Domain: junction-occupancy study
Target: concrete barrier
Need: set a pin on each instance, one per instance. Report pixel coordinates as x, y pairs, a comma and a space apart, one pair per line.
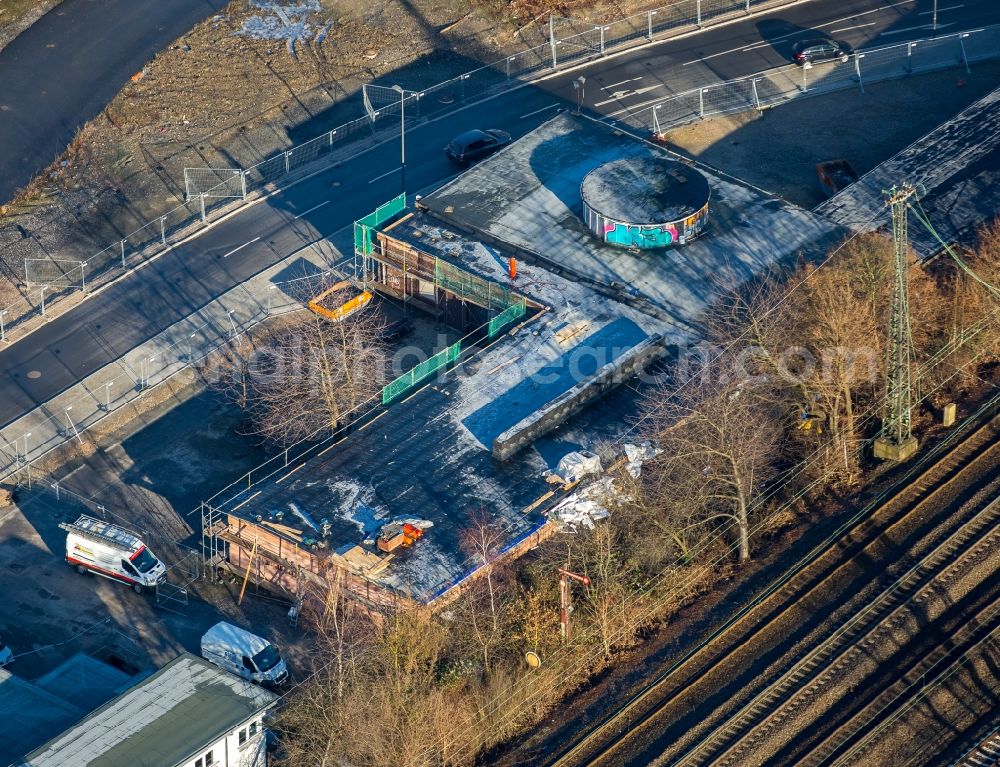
554, 413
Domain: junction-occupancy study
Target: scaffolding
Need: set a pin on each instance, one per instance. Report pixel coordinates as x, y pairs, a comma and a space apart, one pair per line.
213, 547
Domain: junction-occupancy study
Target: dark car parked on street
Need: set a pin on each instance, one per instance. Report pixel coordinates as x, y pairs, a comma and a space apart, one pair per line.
810, 51
475, 145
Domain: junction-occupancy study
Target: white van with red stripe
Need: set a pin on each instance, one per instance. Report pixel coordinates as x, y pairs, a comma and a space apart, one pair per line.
99, 547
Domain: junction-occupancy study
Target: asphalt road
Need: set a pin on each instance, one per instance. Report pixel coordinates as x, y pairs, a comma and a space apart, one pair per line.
66, 67
112, 322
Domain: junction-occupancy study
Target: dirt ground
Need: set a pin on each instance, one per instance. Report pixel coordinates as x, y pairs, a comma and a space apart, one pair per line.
778, 150
149, 477
240, 87
17, 15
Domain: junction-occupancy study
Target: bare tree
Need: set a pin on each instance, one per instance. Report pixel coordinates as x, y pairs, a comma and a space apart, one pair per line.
485, 601
307, 376
831, 320
814, 333
607, 593
720, 440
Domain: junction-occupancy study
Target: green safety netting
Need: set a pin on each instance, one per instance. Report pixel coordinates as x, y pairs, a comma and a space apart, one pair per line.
471, 287
507, 316
419, 372
363, 226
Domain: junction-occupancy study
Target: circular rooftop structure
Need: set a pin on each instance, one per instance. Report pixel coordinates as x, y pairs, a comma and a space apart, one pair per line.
645, 202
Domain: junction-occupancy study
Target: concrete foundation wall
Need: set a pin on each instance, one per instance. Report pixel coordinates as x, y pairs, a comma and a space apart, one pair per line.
527, 430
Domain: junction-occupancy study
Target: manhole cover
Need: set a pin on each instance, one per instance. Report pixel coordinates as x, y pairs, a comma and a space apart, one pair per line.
447, 98
33, 374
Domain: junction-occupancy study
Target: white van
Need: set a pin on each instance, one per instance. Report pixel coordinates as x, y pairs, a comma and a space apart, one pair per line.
113, 552
244, 654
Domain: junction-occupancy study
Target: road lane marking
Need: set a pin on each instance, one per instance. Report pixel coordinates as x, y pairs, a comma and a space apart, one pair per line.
856, 26
251, 242
312, 209
619, 95
640, 105
387, 173
615, 85
799, 33
913, 29
942, 10
543, 109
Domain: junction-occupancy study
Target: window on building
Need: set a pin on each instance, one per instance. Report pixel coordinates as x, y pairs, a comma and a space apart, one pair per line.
242, 736
209, 759
253, 729
199, 762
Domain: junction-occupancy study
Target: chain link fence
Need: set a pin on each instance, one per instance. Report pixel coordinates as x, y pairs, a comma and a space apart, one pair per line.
210, 189
570, 41
782, 84
186, 345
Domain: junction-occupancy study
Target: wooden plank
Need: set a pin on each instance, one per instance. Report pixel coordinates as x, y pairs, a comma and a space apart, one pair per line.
538, 502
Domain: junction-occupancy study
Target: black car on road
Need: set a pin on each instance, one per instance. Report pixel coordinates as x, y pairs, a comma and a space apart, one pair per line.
810, 51
475, 145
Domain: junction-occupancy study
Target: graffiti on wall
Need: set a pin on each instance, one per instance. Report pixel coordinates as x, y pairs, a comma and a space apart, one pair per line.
634, 236
646, 236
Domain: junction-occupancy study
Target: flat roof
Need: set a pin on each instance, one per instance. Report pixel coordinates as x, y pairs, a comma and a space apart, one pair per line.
527, 196
166, 718
30, 715
956, 170
84, 681
429, 455
645, 190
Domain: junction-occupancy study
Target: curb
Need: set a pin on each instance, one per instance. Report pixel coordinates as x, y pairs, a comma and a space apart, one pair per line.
332, 161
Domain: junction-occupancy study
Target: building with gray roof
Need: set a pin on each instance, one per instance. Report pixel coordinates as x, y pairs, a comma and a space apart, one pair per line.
190, 713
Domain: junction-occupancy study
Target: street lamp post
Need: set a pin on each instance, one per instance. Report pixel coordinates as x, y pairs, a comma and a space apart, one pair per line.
578, 84
934, 17
3, 336
402, 135
107, 395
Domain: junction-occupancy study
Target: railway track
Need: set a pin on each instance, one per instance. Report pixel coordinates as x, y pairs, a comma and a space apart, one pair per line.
984, 754
888, 551
895, 722
880, 633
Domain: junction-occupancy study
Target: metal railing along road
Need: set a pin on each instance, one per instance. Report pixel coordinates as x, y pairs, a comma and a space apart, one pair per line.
208, 190
183, 348
776, 86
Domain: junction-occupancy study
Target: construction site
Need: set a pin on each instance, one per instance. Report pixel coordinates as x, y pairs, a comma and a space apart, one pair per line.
553, 314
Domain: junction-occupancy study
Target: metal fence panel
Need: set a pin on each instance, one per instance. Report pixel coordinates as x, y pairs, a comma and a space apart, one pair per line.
784, 83
213, 182
381, 101
420, 372
52, 272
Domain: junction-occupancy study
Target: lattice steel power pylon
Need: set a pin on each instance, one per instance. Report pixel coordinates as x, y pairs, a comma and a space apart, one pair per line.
896, 442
